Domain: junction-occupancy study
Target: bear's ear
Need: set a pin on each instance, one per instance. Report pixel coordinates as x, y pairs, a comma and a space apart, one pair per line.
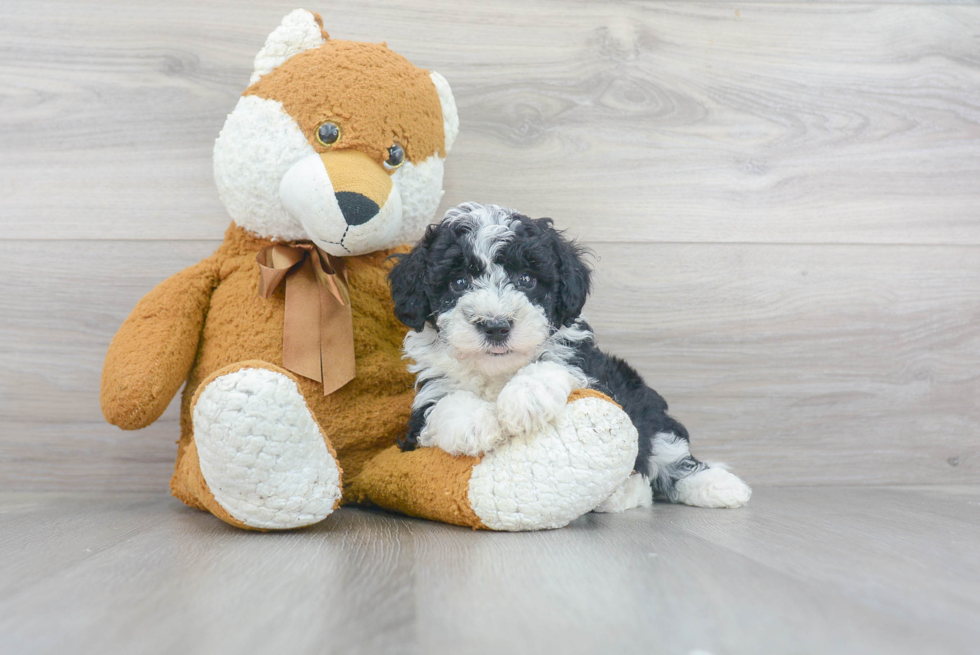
450, 117
300, 30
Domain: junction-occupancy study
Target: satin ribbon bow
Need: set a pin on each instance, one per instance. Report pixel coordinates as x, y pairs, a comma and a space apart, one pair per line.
318, 333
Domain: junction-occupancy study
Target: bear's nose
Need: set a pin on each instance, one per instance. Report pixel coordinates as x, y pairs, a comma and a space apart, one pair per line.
357, 209
360, 184
496, 330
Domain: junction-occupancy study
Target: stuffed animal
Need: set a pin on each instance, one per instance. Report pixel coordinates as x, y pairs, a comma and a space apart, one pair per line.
296, 391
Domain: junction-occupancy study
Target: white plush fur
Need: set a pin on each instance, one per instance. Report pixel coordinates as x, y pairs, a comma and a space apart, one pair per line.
462, 424
307, 195
548, 478
635, 492
713, 487
420, 186
450, 116
274, 184
262, 453
258, 144
297, 32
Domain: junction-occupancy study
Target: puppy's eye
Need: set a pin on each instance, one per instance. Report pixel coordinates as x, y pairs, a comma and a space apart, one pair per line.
525, 281
328, 133
396, 157
459, 285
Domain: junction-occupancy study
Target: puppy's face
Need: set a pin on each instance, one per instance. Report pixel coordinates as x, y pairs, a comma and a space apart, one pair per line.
493, 284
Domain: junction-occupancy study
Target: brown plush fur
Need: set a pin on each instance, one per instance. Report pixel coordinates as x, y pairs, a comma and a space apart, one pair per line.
427, 482
160, 335
361, 418
219, 324
579, 394
209, 320
359, 103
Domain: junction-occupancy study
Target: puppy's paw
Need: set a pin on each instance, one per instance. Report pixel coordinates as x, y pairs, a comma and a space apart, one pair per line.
635, 492
534, 398
462, 424
712, 487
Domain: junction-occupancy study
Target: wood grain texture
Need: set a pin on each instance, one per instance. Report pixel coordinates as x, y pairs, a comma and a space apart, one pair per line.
794, 364
801, 570
858, 364
783, 195
660, 121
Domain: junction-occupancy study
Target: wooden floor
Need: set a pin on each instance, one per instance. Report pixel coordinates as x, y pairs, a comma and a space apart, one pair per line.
800, 570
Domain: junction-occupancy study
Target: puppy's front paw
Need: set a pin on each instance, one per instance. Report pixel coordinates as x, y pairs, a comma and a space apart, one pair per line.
462, 424
534, 398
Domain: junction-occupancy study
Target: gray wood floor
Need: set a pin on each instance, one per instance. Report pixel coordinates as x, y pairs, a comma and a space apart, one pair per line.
800, 570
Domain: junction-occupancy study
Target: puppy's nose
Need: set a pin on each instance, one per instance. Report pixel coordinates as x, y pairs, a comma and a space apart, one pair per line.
356, 208
496, 330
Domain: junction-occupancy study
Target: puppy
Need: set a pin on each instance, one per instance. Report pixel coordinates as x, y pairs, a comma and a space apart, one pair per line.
494, 301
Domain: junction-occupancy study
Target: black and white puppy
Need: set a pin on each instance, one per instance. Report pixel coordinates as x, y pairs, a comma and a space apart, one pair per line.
494, 301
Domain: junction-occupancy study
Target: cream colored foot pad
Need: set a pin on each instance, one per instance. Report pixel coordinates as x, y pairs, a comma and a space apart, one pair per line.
547, 479
262, 454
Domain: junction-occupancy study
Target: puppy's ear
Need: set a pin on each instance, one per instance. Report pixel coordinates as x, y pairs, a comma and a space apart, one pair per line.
408, 285
574, 275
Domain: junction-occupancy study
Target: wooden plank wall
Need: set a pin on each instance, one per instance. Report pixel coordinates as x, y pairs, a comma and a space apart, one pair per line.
784, 199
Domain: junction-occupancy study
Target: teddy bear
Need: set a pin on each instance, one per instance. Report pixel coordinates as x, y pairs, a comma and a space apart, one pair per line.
285, 339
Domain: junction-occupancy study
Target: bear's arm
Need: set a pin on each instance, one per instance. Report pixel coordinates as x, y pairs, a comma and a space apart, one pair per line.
152, 353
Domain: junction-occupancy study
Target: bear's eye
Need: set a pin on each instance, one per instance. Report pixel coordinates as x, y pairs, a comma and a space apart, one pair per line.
396, 157
328, 133
525, 281
460, 284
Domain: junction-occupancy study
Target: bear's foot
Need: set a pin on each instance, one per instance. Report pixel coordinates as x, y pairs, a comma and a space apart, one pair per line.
549, 478
544, 479
262, 454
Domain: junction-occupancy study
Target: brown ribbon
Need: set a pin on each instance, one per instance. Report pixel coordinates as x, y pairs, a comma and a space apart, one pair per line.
318, 333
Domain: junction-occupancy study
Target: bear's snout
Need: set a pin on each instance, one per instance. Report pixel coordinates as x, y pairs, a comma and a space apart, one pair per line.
346, 202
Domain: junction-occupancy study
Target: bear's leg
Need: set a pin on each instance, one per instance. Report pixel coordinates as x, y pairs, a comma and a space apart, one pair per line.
543, 480
258, 458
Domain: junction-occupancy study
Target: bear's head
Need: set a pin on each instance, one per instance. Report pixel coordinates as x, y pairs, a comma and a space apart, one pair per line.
337, 142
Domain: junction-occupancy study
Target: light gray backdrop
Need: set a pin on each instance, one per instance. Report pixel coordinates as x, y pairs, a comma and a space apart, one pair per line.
784, 199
